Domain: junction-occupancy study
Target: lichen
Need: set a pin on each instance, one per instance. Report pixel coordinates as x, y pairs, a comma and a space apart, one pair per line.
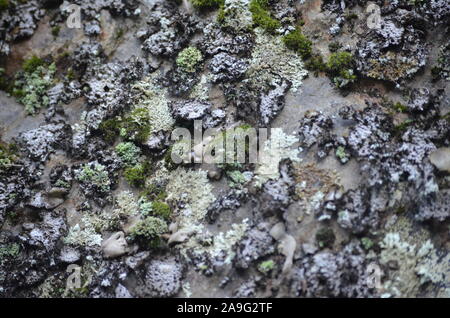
128, 152
189, 59
193, 190
236, 15
271, 61
415, 265
32, 86
95, 175
152, 98
84, 234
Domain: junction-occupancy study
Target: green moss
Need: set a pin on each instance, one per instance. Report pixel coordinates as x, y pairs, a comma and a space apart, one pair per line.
189, 59
261, 16
154, 192
162, 210
203, 4
137, 174
266, 266
340, 67
7, 156
221, 14
400, 128
4, 4
340, 61
119, 34
136, 125
110, 129
5, 82
351, 16
325, 237
367, 243
316, 64
298, 42
55, 30
334, 46
32, 64
399, 107
9, 251
128, 152
150, 229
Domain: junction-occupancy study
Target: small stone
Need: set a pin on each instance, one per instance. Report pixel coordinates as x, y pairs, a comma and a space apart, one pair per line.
440, 158
115, 245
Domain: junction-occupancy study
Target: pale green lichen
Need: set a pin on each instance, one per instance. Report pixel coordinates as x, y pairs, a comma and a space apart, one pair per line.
222, 243
125, 206
152, 97
194, 190
128, 152
189, 59
201, 90
237, 178
271, 60
31, 90
416, 264
84, 234
341, 154
96, 175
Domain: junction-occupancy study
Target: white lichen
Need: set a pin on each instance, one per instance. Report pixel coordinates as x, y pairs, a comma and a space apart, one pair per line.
271, 61
84, 234
152, 97
236, 15
416, 265
191, 192
222, 244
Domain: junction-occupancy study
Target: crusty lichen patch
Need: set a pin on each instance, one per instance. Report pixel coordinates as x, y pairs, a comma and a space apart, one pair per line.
153, 98
191, 193
271, 60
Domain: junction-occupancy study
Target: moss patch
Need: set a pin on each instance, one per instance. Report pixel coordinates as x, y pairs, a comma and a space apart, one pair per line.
261, 16
298, 42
